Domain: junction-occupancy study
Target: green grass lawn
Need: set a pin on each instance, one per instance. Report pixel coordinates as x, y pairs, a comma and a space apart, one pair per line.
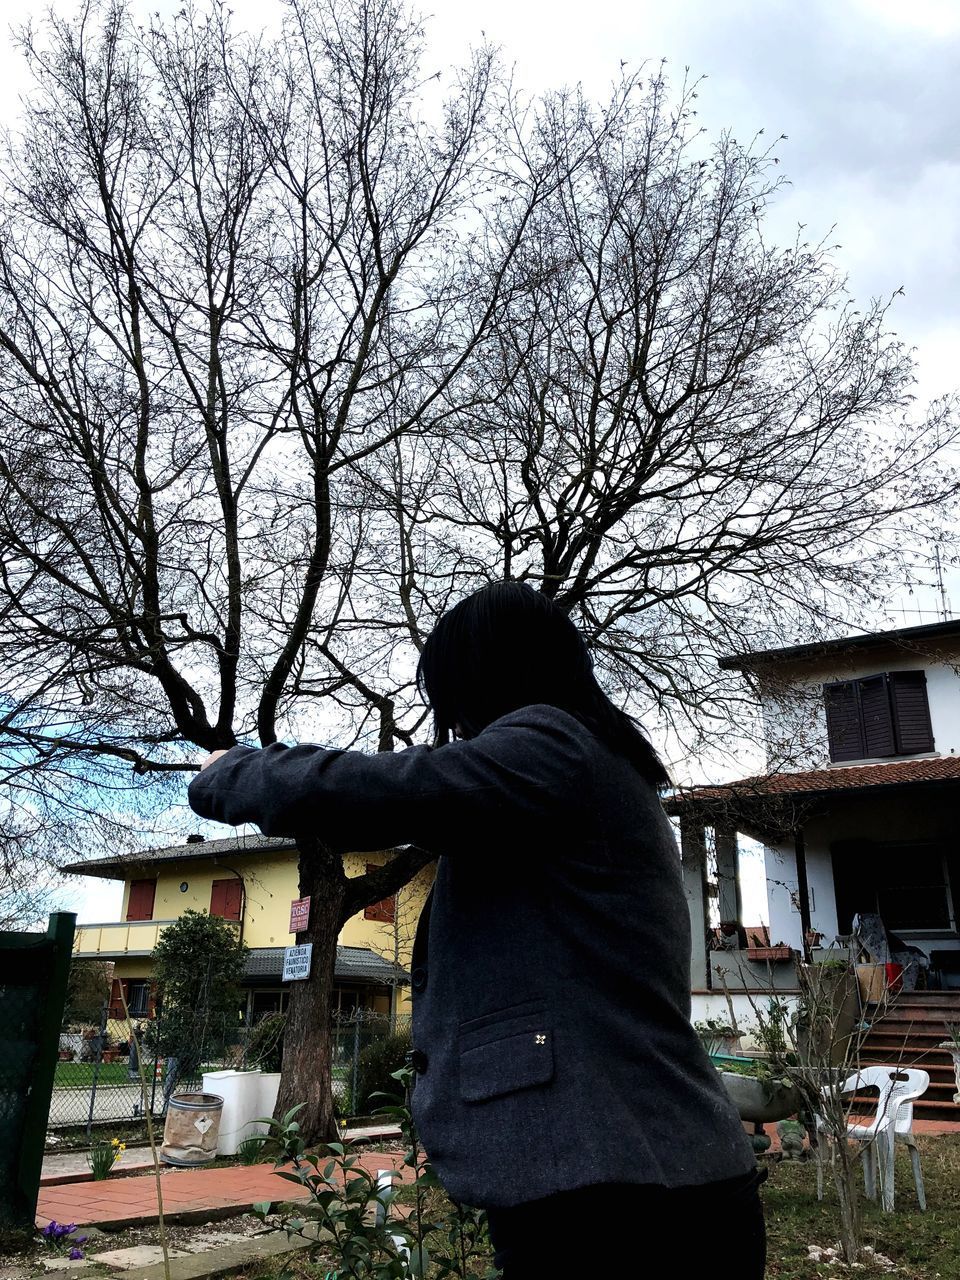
80, 1074
924, 1246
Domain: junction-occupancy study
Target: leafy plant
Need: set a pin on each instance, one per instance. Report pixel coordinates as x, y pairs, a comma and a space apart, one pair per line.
103, 1155
715, 1028
715, 1034
439, 1239
251, 1150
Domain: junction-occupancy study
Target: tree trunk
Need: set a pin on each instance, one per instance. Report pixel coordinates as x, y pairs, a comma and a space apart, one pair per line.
845, 1172
307, 1041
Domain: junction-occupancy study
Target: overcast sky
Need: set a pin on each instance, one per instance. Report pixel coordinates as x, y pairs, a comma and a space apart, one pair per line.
866, 91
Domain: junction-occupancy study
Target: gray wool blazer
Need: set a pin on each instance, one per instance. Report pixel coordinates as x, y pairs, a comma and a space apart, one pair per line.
551, 967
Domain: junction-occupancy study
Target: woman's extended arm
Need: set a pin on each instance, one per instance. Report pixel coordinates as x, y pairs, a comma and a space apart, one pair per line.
520, 769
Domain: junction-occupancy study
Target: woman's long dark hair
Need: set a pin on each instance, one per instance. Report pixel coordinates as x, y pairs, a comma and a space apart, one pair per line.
508, 646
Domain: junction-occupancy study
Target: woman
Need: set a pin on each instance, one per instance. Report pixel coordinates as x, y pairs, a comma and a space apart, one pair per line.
559, 1082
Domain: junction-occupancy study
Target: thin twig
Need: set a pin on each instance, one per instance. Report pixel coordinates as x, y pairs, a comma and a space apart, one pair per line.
148, 1116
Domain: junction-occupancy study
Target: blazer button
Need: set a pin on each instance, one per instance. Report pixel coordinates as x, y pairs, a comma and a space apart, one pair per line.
418, 978
418, 1060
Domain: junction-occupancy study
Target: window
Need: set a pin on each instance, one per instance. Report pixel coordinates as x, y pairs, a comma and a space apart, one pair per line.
877, 716
140, 900
908, 885
138, 997
226, 898
138, 994
263, 1003
386, 910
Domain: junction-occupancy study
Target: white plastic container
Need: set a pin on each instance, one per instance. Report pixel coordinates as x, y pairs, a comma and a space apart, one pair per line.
247, 1095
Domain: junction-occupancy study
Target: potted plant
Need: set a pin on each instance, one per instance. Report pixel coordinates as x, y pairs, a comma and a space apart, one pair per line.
777, 953
952, 1046
718, 1036
758, 1093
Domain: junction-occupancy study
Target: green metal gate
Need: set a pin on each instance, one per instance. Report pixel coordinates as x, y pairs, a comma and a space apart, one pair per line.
33, 990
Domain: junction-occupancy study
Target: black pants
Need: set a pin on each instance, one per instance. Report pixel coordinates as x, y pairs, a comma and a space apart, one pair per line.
619, 1231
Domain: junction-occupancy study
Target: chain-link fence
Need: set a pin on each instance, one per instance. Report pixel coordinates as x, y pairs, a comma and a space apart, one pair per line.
367, 1048
98, 1080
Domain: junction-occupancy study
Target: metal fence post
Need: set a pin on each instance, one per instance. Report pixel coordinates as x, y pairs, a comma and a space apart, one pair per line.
96, 1068
356, 1055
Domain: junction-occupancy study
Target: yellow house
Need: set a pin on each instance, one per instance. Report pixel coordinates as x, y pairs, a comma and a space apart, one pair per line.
252, 880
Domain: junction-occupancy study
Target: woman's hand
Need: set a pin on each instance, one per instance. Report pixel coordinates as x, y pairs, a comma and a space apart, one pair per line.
215, 755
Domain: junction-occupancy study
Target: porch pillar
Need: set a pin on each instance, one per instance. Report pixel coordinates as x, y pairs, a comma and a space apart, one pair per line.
803, 889
693, 855
728, 874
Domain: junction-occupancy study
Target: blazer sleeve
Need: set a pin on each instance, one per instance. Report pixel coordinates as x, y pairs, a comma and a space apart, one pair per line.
521, 771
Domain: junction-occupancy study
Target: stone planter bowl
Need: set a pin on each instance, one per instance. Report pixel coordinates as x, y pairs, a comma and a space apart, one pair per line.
954, 1050
759, 1101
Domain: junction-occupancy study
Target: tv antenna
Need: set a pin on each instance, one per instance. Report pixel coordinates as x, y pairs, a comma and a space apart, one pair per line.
944, 602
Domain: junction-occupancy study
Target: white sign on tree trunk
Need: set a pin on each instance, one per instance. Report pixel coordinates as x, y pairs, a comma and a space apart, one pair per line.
296, 962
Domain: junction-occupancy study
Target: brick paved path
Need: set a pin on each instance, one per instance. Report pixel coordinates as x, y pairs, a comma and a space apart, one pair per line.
115, 1202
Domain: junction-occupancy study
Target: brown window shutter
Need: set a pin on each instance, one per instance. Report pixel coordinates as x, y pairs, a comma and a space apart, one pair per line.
384, 911
911, 712
119, 990
141, 899
877, 717
233, 905
844, 728
226, 898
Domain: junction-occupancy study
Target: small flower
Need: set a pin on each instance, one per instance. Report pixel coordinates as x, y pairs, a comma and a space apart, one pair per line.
75, 1254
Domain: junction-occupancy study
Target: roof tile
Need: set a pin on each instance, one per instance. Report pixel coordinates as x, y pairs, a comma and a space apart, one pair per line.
822, 781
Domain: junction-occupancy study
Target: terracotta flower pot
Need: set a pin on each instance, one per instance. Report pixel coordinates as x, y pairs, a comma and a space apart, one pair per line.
770, 953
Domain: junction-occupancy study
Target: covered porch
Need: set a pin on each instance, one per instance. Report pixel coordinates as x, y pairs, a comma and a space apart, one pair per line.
837, 842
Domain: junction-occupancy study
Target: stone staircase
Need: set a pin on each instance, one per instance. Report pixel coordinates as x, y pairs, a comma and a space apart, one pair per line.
907, 1034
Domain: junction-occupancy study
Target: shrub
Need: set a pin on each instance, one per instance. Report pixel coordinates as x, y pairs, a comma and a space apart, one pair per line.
375, 1067
88, 990
265, 1049
198, 965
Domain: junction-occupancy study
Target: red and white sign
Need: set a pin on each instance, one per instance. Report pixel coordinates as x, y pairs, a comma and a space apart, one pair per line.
299, 914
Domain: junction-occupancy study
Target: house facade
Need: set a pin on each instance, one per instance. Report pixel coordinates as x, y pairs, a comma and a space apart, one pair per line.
856, 810
252, 881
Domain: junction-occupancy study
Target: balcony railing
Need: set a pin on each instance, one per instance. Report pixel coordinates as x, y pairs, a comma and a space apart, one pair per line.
119, 937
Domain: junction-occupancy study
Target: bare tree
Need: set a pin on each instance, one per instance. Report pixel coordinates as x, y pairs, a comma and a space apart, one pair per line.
225, 278
702, 444
293, 351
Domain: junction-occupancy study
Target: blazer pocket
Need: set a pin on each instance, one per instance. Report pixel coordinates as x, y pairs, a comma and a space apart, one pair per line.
516, 1060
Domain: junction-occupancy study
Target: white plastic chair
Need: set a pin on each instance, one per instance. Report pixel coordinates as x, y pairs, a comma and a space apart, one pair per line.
898, 1089
904, 1094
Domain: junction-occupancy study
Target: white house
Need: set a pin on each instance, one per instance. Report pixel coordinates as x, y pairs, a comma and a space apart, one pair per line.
858, 808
